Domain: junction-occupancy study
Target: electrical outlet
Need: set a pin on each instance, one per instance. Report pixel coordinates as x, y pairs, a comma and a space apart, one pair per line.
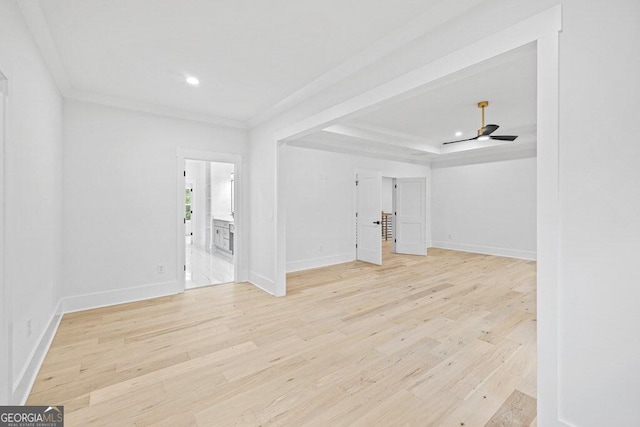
160, 268
320, 248
450, 236
29, 327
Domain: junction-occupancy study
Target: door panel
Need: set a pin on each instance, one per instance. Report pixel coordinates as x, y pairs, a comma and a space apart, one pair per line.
410, 216
368, 208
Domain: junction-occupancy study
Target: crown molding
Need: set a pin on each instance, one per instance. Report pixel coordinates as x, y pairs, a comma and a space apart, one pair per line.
146, 107
37, 25
41, 34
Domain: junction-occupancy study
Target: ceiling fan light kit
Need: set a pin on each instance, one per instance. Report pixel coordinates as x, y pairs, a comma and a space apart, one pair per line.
485, 131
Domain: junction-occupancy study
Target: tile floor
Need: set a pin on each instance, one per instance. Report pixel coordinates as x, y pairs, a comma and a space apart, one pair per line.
204, 268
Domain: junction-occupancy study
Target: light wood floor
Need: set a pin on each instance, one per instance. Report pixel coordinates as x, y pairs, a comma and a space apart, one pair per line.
443, 340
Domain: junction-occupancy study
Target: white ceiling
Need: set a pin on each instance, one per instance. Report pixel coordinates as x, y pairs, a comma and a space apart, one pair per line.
248, 54
414, 129
254, 58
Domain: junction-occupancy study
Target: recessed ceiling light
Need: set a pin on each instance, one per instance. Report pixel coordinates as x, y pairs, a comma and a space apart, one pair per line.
458, 133
483, 137
193, 81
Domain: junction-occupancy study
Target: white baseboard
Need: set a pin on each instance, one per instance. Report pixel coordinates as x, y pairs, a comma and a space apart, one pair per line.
24, 382
487, 250
119, 296
262, 282
306, 264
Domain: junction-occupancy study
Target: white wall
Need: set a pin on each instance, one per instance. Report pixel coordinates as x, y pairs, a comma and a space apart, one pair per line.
486, 207
33, 194
221, 189
600, 211
321, 203
120, 219
387, 193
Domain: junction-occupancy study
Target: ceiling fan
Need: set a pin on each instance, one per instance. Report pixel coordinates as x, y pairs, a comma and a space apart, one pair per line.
484, 133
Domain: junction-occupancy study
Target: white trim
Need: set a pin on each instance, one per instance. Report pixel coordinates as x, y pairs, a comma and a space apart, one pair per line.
487, 250
316, 143
25, 380
280, 220
548, 229
524, 150
146, 107
307, 264
209, 156
118, 296
262, 282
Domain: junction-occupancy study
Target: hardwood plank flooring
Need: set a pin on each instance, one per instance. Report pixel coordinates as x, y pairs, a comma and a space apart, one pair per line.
443, 340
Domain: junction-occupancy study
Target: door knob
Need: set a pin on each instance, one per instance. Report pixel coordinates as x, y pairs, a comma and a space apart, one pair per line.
376, 222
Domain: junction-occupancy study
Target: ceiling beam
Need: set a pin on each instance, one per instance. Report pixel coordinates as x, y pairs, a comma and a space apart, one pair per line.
442, 12
405, 86
386, 138
317, 143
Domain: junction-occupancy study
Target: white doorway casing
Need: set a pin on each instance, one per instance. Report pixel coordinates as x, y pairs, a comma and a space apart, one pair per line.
542, 29
240, 253
368, 216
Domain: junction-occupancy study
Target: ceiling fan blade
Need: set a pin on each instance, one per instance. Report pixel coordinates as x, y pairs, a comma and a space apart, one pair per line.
504, 137
489, 129
460, 140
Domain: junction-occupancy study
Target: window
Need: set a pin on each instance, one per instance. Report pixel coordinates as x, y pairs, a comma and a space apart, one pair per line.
187, 200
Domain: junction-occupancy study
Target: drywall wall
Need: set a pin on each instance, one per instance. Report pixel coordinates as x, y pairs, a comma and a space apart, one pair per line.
221, 189
600, 206
321, 203
120, 219
387, 194
262, 199
486, 207
33, 193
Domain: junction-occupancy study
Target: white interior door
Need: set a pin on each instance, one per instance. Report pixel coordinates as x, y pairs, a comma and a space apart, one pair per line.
410, 216
368, 215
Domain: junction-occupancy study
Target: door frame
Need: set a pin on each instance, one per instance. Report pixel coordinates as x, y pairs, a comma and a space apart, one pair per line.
542, 29
240, 253
6, 315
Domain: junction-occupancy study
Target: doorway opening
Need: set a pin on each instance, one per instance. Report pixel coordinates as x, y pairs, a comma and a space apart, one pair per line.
209, 223
391, 216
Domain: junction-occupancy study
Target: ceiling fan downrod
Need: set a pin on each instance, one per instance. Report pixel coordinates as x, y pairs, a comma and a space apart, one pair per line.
482, 105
